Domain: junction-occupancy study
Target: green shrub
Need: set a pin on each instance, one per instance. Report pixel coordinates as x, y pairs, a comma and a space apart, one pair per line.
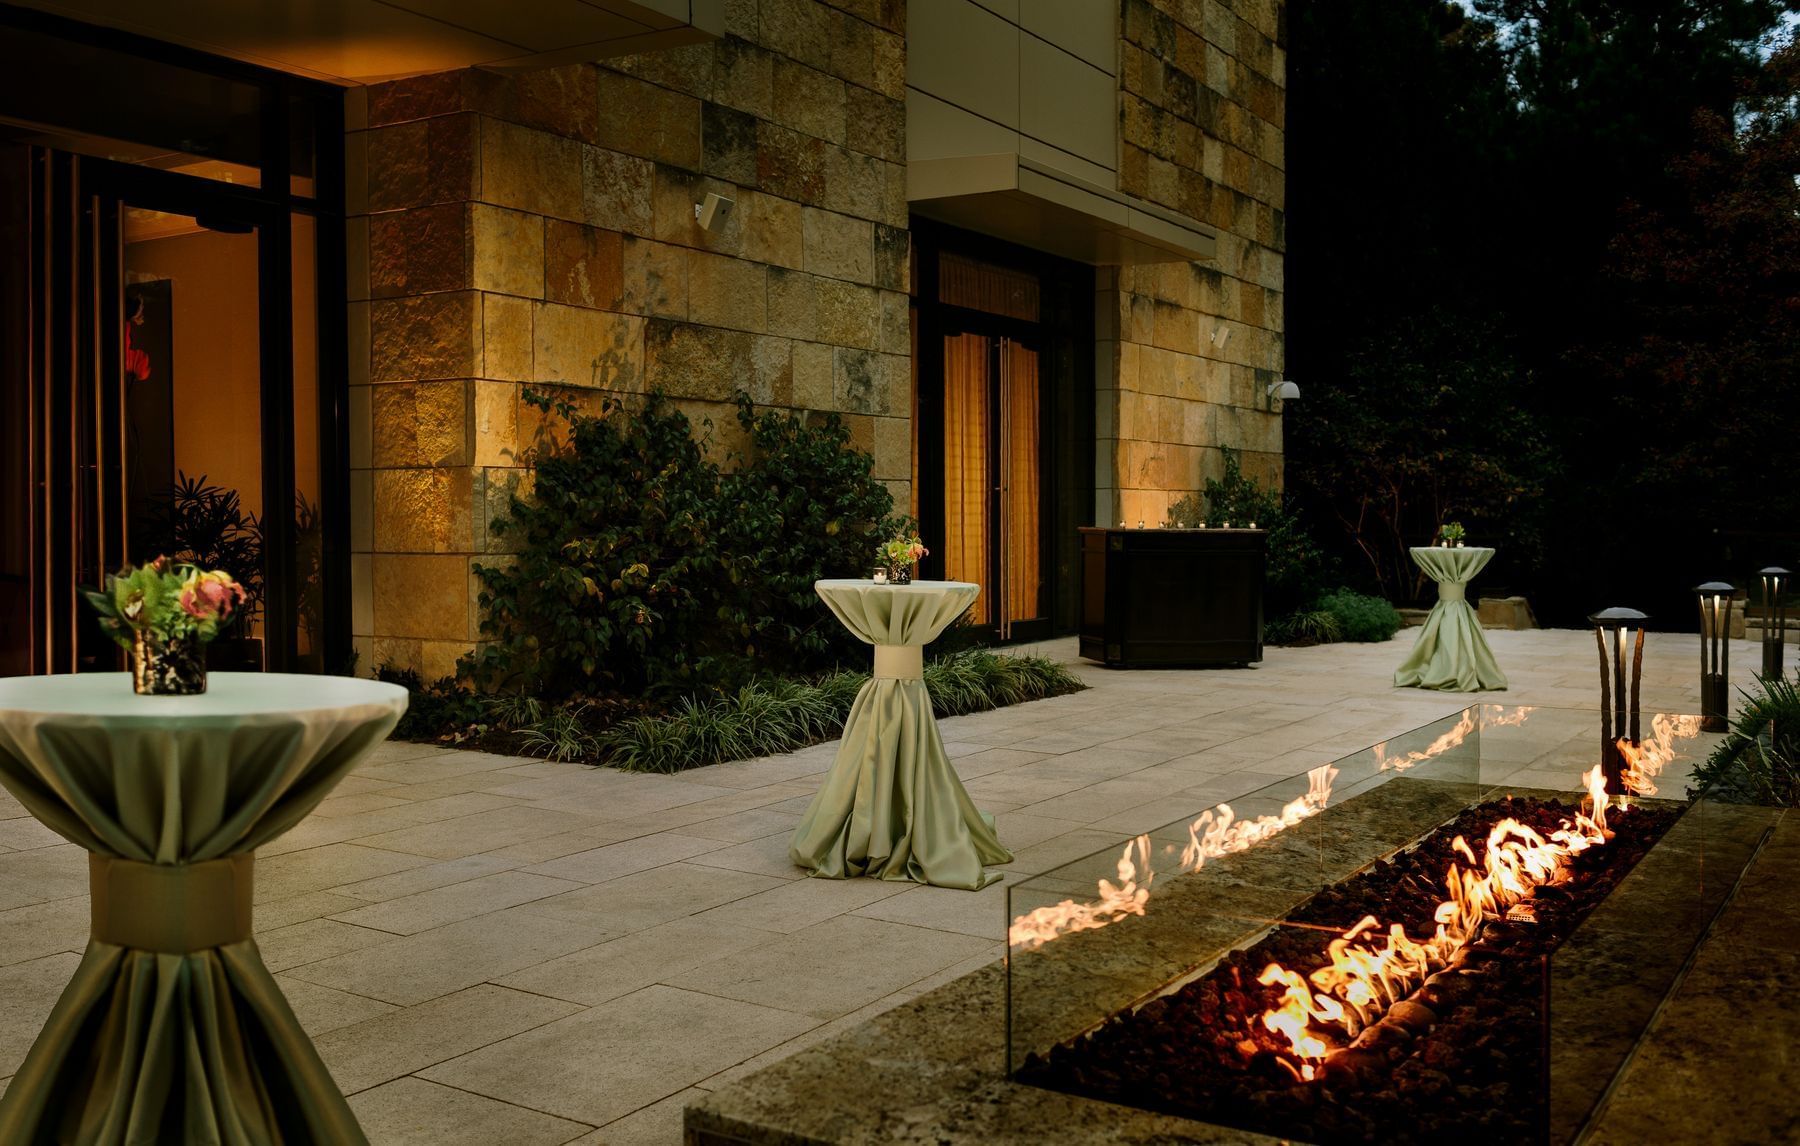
768, 717
437, 711
640, 567
1298, 568
1759, 762
803, 506
615, 561
1361, 617
1304, 627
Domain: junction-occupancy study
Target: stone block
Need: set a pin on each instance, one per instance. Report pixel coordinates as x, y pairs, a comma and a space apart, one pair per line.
893, 448
421, 596
812, 375
362, 511
359, 428
497, 424
558, 100
896, 323
531, 170
506, 338
809, 101
690, 69
420, 424
772, 231
423, 510
583, 265
772, 377
790, 164
509, 251
728, 143
591, 349
357, 337
895, 209
893, 255
617, 191
702, 362
743, 77
437, 659
655, 277
867, 383
855, 184
428, 336
852, 49
362, 596
848, 314
724, 291
414, 97
421, 163
418, 251
793, 304
838, 246
889, 65
640, 118
798, 29
498, 488
1507, 613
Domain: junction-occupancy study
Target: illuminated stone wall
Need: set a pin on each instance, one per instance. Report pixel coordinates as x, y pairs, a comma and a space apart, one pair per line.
1188, 349
538, 228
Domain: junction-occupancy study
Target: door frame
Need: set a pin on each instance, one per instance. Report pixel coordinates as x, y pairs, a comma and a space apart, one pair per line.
1063, 340
294, 113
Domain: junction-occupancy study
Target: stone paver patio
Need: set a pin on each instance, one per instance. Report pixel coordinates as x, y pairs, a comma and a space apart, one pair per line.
496, 949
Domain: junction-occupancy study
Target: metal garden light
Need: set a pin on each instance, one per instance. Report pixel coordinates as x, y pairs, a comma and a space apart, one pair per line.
1620, 634
1774, 618
1715, 653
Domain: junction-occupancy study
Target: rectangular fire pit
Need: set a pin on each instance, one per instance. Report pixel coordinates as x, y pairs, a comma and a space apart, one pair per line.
1181, 986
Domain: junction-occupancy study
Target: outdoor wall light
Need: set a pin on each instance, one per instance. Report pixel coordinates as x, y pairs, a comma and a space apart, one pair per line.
1774, 618
1617, 630
1284, 390
1715, 653
711, 212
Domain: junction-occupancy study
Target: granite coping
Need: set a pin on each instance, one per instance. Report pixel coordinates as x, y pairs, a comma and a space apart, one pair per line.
935, 1069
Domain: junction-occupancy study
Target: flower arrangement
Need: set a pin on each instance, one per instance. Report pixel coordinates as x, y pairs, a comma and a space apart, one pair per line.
164, 613
1451, 534
899, 554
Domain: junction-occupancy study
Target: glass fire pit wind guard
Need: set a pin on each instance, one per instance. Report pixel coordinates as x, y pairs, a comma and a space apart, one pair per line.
1121, 932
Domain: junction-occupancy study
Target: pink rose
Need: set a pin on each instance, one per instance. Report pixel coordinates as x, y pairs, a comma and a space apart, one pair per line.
209, 595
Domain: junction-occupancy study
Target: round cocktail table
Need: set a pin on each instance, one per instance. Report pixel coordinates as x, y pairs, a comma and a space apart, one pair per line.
1451, 652
172, 1030
892, 806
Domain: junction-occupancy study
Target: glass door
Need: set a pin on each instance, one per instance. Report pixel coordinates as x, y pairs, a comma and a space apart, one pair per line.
993, 480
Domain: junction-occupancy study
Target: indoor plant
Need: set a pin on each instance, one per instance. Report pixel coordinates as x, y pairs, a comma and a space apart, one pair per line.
164, 614
1451, 534
899, 554
198, 523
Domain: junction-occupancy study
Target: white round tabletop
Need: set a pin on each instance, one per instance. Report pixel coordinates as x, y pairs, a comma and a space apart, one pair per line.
917, 586
228, 694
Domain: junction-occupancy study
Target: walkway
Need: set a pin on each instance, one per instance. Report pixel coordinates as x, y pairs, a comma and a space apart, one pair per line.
495, 949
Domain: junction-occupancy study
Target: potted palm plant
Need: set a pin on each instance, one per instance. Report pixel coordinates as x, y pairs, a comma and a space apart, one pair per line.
204, 525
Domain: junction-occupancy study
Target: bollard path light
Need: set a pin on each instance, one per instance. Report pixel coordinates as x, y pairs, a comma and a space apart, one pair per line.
1620, 634
1715, 653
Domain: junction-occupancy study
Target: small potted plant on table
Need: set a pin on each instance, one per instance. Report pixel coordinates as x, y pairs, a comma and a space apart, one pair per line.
164, 614
899, 554
1451, 534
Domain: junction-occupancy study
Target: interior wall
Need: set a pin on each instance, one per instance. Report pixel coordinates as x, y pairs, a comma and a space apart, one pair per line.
217, 348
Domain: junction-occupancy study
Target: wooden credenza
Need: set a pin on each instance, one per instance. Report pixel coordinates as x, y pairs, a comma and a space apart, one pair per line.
1172, 598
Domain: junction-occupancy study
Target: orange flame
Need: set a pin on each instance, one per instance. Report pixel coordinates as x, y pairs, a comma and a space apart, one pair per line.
1645, 762
1216, 833
1492, 716
1370, 970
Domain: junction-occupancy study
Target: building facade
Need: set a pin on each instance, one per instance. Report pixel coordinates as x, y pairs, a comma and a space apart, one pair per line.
1030, 250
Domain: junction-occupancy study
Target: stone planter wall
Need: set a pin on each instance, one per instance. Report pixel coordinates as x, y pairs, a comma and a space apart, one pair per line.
538, 228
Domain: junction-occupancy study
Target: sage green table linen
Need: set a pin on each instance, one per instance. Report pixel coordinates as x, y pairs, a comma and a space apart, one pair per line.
892, 806
172, 1030
1451, 652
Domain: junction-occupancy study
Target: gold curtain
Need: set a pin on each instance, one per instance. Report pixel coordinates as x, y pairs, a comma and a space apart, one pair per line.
966, 414
1022, 576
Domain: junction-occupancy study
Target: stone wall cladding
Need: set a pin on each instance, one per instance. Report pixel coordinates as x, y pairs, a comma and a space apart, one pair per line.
1188, 349
538, 228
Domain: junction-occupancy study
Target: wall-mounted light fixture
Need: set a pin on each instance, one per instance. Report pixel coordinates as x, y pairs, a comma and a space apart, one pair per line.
1281, 390
711, 212
1220, 336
